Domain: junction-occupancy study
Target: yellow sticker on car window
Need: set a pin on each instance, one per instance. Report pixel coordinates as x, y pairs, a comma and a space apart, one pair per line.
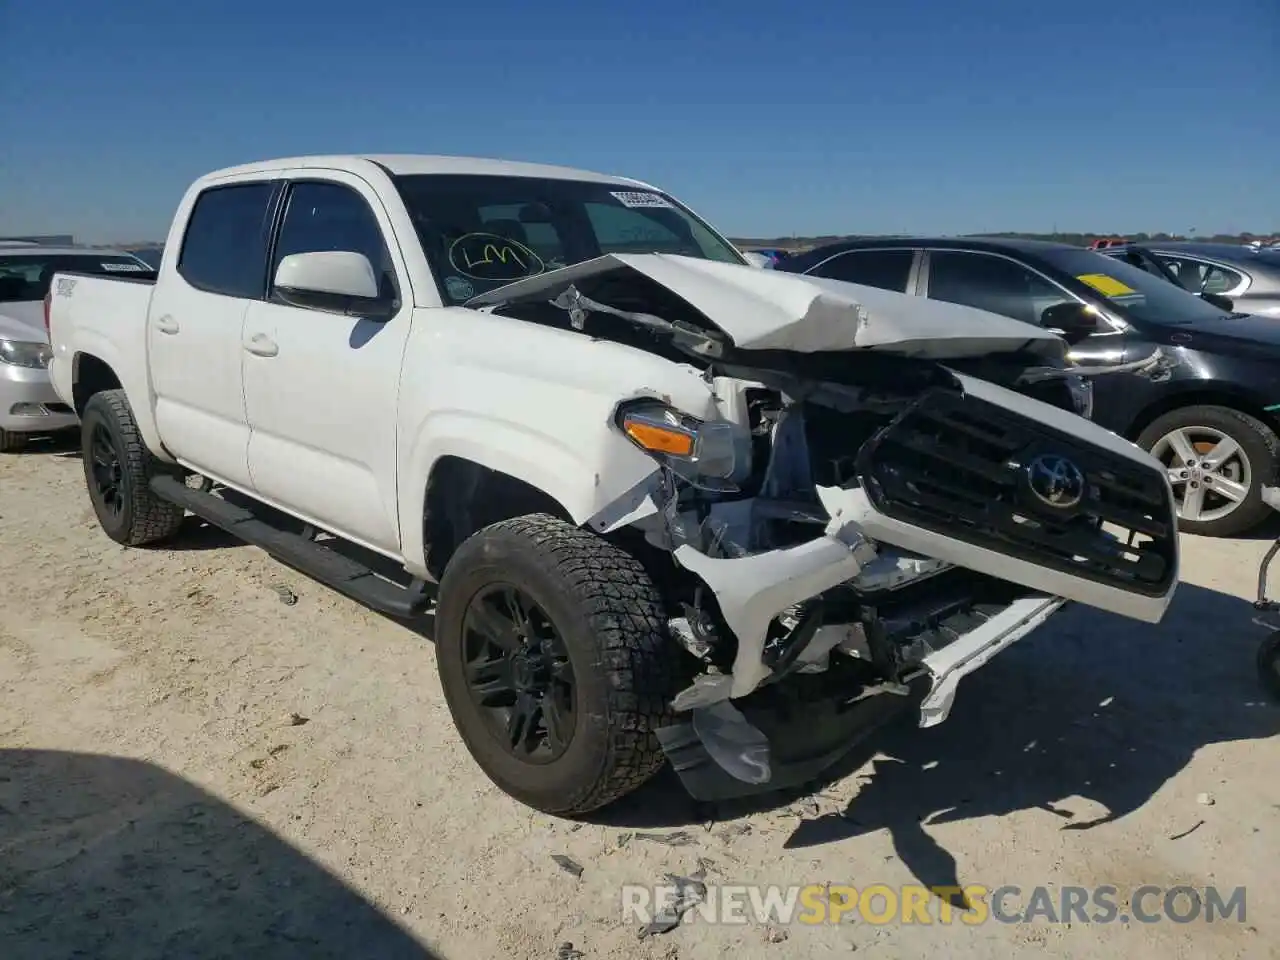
1105, 285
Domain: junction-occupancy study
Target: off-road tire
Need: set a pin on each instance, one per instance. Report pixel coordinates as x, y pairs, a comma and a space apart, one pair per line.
610, 616
12, 442
145, 519
1260, 444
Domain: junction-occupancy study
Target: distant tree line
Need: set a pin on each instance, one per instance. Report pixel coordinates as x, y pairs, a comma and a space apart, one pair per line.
1076, 239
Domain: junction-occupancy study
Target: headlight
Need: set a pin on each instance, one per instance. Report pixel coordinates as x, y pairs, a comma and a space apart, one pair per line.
20, 353
1081, 395
706, 455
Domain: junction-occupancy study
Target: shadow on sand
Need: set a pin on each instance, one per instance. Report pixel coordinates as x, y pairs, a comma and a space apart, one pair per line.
1092, 706
106, 857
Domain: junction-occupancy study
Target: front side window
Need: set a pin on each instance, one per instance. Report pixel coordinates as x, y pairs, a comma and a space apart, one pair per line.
25, 277
321, 217
225, 247
1200, 277
885, 269
992, 283
481, 232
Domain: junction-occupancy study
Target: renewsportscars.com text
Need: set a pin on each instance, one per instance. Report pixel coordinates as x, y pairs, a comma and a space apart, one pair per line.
880, 904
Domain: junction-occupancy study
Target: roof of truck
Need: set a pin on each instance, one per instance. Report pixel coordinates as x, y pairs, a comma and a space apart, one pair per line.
407, 164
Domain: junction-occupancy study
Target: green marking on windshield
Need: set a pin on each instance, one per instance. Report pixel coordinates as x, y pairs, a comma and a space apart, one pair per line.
1274, 406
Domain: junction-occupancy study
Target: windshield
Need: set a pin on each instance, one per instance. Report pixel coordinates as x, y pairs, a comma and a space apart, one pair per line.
481, 232
25, 277
1133, 292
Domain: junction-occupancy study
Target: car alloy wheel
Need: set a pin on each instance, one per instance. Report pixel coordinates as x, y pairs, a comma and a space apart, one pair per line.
1209, 471
518, 672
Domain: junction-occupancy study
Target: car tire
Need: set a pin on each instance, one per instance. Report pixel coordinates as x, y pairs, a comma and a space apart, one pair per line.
608, 617
12, 442
1257, 441
118, 469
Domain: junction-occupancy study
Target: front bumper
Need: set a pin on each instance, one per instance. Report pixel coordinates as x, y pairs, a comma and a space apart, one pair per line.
803, 746
752, 591
28, 402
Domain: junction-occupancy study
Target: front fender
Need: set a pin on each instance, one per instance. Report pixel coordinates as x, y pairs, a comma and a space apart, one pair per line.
585, 472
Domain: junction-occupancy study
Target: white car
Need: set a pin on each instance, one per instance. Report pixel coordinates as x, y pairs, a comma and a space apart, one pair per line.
28, 404
663, 501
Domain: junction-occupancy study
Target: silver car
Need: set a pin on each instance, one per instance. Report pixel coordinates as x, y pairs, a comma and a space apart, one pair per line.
28, 404
1249, 276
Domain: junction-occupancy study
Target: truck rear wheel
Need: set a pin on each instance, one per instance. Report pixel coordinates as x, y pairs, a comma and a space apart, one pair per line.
555, 663
118, 469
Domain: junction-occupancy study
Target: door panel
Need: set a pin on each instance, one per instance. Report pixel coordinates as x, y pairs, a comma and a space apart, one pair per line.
195, 325
321, 385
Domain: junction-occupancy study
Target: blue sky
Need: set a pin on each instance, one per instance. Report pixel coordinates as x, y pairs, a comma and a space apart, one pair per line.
768, 118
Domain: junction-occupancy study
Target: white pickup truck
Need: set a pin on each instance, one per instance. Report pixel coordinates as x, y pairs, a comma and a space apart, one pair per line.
665, 503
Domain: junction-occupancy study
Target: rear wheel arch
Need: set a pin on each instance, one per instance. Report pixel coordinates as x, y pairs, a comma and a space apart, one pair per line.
90, 375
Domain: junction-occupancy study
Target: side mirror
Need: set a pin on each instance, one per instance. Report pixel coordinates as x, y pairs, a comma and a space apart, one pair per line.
1219, 301
1072, 321
335, 273
757, 259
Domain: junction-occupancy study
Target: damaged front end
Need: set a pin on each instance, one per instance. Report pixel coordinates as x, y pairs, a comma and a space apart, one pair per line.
855, 531
863, 550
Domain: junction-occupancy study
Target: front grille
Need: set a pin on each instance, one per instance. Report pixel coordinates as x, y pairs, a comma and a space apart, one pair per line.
960, 466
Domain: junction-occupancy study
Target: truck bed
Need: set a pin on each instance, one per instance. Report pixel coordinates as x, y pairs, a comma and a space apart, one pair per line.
102, 316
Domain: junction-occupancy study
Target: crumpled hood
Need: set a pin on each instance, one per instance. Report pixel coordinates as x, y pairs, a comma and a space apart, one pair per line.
23, 321
766, 310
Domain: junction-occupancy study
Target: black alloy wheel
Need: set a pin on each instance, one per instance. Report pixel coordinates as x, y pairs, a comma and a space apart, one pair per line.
518, 672
107, 484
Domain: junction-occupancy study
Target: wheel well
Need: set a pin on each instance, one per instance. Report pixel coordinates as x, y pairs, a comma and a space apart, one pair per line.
91, 376
1199, 398
464, 496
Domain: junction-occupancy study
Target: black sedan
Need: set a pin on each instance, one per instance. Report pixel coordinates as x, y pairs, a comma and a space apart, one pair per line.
1213, 422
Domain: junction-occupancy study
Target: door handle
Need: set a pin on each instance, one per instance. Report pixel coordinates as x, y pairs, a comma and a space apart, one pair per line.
167, 324
260, 345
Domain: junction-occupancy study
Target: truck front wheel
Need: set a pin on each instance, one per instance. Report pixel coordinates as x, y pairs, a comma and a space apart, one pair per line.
555, 663
118, 469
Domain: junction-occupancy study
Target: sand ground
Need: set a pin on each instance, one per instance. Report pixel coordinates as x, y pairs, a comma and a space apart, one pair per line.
192, 766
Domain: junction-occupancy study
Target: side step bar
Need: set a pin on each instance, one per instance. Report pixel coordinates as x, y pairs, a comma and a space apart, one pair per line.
315, 560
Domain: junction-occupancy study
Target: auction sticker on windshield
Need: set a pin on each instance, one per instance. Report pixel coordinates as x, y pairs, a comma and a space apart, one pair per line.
1105, 285
641, 200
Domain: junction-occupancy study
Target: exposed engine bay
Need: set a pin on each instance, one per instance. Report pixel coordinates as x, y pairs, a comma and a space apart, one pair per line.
889, 520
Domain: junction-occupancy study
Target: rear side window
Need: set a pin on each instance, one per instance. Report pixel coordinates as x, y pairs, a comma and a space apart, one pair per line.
225, 248
886, 269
